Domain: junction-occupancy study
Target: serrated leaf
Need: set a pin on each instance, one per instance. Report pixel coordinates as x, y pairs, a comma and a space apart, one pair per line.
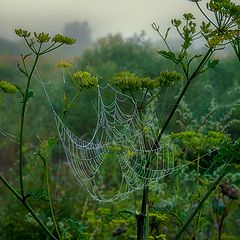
169, 55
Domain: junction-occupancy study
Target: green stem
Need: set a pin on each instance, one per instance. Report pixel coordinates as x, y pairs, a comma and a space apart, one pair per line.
206, 16
50, 201
50, 49
27, 206
25, 99
69, 105
189, 80
204, 198
141, 217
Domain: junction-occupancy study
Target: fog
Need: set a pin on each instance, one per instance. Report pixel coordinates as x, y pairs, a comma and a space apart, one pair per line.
103, 16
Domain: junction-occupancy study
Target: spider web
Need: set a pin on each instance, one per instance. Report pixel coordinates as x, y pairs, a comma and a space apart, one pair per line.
123, 144
121, 136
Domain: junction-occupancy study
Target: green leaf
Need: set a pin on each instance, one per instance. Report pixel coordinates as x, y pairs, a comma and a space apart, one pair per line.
213, 64
169, 55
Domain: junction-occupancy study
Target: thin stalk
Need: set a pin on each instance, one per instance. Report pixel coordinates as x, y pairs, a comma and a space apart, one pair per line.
27, 206
144, 98
141, 223
204, 198
195, 73
206, 15
25, 98
69, 105
51, 49
152, 99
141, 215
31, 47
50, 202
46, 170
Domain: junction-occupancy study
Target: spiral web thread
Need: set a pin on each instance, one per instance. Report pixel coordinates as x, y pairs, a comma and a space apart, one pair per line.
120, 135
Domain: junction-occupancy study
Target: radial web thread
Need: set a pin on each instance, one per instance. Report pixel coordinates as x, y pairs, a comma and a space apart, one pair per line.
122, 136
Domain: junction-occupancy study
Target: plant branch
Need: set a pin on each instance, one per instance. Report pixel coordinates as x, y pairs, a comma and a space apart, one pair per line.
27, 206
25, 99
204, 198
195, 73
49, 195
206, 16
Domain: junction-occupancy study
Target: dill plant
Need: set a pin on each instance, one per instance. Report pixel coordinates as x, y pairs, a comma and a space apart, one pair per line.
39, 44
216, 32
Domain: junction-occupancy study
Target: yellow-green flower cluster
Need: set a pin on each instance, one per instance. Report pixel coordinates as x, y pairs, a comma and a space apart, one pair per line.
225, 35
22, 33
224, 7
129, 81
199, 141
84, 80
63, 64
158, 216
149, 83
58, 38
44, 37
126, 81
7, 87
168, 78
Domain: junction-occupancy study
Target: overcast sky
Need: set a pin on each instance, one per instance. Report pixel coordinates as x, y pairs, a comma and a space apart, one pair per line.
104, 16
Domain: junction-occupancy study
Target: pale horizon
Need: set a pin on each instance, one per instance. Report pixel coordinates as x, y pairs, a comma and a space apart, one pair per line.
104, 17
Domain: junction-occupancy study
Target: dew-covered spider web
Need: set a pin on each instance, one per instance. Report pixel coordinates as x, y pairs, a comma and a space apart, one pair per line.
121, 138
123, 154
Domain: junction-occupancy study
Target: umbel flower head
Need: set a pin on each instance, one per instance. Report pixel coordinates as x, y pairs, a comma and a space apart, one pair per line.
22, 33
84, 80
7, 87
58, 38
45, 37
64, 64
168, 78
126, 81
129, 81
42, 37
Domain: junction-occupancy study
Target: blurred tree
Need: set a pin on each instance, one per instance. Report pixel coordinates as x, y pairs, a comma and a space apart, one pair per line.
114, 53
8, 47
81, 32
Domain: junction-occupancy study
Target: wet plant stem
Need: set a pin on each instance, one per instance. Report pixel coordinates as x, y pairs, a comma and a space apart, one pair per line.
142, 215
27, 206
49, 196
204, 198
24, 104
183, 92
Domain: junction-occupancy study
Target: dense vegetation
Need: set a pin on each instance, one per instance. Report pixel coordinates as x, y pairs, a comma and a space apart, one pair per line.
200, 199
